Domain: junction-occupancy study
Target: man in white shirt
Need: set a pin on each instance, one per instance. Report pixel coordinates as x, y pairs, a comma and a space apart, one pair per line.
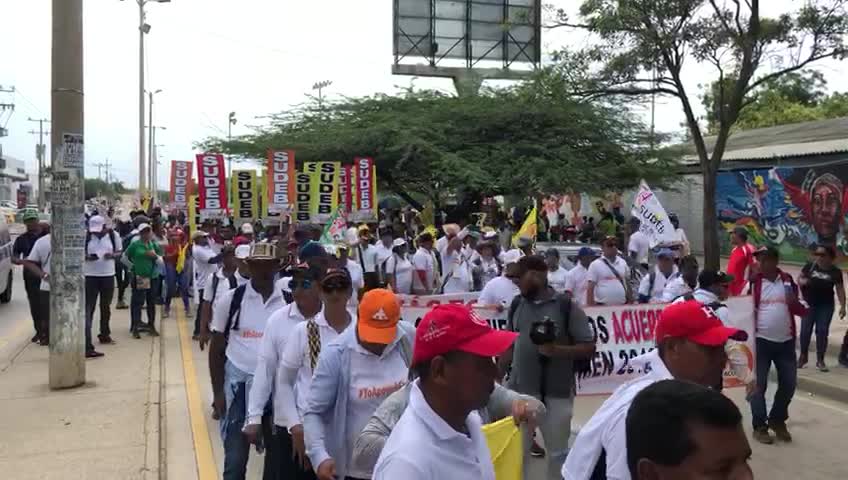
652, 286
426, 268
775, 306
383, 252
225, 278
451, 231
639, 245
690, 347
608, 276
366, 257
357, 277
456, 269
271, 377
102, 247
38, 262
206, 262
500, 291
238, 325
577, 281
557, 276
684, 283
439, 435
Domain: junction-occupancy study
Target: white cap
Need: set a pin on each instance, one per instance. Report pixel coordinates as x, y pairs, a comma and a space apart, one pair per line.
96, 224
398, 242
511, 256
242, 251
247, 228
142, 227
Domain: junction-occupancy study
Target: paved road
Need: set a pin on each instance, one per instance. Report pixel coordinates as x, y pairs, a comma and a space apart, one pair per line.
15, 322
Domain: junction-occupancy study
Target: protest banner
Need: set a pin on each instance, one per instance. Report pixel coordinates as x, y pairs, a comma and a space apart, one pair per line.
281, 178
621, 334
180, 184
212, 181
324, 191
244, 190
365, 190
653, 217
303, 188
346, 188
334, 232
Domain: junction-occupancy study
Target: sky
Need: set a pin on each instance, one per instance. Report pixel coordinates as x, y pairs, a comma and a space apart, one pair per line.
211, 57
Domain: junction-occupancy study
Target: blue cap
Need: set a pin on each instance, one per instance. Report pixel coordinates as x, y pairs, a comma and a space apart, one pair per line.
587, 252
665, 252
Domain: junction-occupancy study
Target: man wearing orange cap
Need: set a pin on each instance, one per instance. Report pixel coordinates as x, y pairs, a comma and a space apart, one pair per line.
690, 347
439, 435
362, 367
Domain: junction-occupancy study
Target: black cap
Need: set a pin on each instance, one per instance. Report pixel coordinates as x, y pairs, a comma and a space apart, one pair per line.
768, 252
708, 278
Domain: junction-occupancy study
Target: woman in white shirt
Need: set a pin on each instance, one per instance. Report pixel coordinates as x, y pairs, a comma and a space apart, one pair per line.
456, 277
399, 270
486, 267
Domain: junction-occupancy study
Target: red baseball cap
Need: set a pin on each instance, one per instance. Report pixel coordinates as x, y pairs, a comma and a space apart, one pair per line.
450, 327
695, 322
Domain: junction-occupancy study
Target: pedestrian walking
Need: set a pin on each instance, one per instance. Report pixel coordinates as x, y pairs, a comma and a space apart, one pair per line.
486, 266
741, 260
439, 435
356, 372
690, 347
206, 260
122, 273
819, 281
606, 278
144, 255
500, 291
653, 284
32, 282
102, 247
553, 332
557, 275
577, 282
366, 257
176, 275
399, 269
227, 277
683, 284
426, 266
639, 245
38, 263
238, 325
776, 304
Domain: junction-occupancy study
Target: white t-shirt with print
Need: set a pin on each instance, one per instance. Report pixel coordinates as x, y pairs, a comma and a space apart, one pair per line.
577, 283
403, 272
773, 316
100, 246
40, 254
608, 288
372, 379
558, 279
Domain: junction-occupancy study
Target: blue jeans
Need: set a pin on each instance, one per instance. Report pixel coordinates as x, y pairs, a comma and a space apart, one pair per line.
783, 357
819, 317
236, 448
175, 283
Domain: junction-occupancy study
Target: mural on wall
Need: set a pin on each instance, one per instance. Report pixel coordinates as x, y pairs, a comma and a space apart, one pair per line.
572, 207
790, 208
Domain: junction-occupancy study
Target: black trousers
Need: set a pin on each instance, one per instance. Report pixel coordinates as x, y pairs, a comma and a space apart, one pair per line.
139, 298
197, 316
279, 464
103, 287
44, 314
32, 285
123, 279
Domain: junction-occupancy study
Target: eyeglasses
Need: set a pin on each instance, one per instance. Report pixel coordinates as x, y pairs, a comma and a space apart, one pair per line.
306, 284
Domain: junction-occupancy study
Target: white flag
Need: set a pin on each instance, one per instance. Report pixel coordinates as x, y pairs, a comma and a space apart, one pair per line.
655, 223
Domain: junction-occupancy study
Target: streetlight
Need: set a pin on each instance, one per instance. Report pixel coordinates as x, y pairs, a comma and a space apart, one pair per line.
320, 86
143, 27
154, 170
231, 120
151, 139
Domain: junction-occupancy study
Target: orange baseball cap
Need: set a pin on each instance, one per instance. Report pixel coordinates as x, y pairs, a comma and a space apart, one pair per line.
379, 314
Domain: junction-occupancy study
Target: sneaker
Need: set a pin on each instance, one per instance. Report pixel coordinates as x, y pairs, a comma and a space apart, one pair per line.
34, 339
822, 367
762, 435
536, 450
135, 334
94, 354
152, 332
44, 342
780, 431
121, 305
105, 340
802, 360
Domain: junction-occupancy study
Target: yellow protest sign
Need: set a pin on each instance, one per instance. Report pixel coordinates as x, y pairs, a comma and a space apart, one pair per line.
324, 190
246, 206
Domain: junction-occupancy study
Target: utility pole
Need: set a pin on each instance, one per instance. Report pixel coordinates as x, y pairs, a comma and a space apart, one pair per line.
39, 154
320, 86
67, 315
108, 166
6, 107
231, 120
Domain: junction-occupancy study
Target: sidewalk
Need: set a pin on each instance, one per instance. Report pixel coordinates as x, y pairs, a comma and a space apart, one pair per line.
106, 429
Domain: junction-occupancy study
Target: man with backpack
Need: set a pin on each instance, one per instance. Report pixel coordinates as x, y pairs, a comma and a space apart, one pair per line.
653, 284
226, 278
102, 247
606, 277
238, 325
553, 333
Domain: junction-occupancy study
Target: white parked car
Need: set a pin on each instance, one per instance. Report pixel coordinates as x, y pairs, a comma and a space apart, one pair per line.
5, 262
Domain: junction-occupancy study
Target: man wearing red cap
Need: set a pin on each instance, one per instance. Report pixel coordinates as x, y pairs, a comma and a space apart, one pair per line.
439, 435
690, 347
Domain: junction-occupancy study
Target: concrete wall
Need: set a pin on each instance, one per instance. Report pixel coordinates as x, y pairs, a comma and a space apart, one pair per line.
687, 201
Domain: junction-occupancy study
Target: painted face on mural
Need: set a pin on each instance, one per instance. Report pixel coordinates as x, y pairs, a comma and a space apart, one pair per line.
826, 206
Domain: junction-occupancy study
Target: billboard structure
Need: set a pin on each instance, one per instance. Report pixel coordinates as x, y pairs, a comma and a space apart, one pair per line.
487, 37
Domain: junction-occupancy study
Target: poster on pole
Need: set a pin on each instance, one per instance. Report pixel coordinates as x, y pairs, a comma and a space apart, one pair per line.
212, 181
72, 151
324, 194
281, 177
303, 181
346, 187
365, 190
246, 200
180, 184
653, 217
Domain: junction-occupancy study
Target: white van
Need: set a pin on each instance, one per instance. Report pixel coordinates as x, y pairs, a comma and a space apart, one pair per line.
5, 262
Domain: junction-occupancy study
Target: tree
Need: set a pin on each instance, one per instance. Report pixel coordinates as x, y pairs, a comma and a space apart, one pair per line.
523, 140
95, 187
643, 46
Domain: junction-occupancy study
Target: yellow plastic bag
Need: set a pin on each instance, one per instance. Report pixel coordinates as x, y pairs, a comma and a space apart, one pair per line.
181, 258
504, 440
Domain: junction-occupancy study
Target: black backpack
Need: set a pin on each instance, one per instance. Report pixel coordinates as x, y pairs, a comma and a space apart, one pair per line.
234, 314
216, 280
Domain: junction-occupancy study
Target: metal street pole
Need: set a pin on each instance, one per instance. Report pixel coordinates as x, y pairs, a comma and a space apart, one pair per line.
67, 316
39, 151
141, 28
231, 120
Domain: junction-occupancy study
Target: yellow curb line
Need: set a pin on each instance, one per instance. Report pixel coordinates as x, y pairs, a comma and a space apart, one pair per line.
206, 467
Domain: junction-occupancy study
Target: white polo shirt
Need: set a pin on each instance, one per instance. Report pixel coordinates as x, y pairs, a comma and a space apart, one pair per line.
606, 430
577, 283
423, 446
608, 288
267, 376
773, 316
244, 343
100, 246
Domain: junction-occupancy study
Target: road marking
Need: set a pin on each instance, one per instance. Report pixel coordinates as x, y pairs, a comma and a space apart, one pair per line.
205, 458
804, 397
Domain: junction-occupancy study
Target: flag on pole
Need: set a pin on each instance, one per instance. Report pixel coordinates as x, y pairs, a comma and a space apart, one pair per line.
335, 229
528, 229
653, 217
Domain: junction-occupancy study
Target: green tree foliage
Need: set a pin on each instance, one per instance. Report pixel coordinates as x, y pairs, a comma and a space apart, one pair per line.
524, 140
643, 47
796, 97
95, 187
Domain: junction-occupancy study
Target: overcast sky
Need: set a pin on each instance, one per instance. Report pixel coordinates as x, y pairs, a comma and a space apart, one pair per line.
211, 57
